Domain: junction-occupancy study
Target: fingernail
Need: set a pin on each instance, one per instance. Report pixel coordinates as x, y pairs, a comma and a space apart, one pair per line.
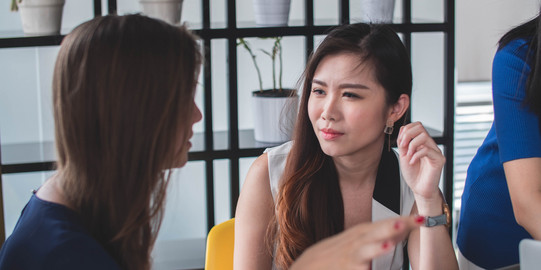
398, 224
420, 219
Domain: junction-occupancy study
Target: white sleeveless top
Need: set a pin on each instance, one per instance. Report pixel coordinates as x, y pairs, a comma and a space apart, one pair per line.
393, 260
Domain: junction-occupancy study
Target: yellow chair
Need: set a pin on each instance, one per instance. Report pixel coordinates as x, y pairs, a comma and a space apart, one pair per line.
220, 243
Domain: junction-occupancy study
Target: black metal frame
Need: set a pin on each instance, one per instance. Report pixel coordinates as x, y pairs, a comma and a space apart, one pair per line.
231, 33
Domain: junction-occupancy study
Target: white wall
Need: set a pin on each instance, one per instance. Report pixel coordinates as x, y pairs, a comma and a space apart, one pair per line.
479, 26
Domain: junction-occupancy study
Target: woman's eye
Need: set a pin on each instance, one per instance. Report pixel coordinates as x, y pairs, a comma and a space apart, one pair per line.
350, 95
318, 91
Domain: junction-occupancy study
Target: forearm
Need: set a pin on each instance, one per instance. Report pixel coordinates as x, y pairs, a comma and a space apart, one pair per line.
435, 249
431, 247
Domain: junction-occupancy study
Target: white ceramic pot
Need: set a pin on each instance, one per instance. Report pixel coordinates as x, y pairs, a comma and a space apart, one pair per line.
377, 11
271, 12
274, 118
41, 17
166, 10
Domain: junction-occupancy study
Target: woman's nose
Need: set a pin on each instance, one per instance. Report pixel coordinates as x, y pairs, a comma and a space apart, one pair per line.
330, 110
197, 115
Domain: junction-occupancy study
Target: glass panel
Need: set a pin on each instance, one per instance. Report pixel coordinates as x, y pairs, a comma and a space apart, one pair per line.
185, 209
17, 189
246, 14
367, 11
218, 13
181, 240
74, 13
317, 40
427, 11
427, 102
222, 194
293, 64
326, 12
220, 100
190, 13
25, 98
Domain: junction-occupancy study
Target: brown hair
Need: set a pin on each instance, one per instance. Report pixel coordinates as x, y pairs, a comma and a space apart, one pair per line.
309, 204
123, 93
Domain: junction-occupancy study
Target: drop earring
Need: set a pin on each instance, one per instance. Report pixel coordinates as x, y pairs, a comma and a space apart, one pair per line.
389, 127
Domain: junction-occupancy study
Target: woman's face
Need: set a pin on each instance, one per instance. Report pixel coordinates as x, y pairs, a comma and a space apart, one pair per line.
186, 145
347, 106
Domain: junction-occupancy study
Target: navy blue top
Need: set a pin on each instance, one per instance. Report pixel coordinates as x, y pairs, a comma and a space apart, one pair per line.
488, 234
52, 236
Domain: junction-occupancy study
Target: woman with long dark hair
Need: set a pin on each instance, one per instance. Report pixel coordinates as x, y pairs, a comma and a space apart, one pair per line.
501, 203
339, 171
123, 93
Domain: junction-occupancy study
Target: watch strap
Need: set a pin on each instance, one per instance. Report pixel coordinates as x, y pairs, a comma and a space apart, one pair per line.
443, 219
435, 221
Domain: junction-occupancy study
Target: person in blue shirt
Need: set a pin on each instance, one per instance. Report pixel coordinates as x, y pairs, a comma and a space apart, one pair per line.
501, 203
123, 93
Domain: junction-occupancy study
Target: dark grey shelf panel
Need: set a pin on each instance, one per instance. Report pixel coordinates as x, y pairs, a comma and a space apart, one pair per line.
37, 156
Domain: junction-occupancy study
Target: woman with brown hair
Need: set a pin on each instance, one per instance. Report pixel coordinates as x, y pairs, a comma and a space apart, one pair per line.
123, 91
339, 170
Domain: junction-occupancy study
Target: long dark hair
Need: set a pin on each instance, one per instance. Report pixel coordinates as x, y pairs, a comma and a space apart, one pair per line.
309, 204
529, 31
123, 93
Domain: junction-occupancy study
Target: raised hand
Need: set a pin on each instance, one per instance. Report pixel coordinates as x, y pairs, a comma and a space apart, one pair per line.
421, 161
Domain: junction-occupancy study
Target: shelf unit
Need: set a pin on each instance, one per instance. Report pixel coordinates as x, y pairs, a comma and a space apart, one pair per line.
236, 144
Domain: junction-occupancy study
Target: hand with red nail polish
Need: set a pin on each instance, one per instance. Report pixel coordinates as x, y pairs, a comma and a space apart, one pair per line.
358, 246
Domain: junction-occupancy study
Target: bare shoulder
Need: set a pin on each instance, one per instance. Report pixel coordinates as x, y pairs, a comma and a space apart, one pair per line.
258, 175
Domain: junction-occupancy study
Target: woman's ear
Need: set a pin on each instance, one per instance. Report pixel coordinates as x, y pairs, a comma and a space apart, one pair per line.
399, 108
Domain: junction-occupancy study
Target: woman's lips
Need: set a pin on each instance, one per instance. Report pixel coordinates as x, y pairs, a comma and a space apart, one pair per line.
330, 134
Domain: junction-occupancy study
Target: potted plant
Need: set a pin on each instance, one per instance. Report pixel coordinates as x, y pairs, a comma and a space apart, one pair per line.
274, 109
377, 11
40, 17
166, 10
271, 12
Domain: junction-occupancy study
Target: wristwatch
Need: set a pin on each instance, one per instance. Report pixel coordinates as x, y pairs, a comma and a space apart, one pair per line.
443, 219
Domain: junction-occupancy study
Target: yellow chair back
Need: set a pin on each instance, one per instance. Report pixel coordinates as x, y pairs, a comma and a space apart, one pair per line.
220, 243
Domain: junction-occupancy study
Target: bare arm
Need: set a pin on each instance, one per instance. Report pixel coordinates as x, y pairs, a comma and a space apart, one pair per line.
433, 243
524, 182
254, 211
421, 163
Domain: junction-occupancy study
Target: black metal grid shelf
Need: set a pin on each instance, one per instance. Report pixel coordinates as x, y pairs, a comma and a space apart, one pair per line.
236, 144
19, 40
